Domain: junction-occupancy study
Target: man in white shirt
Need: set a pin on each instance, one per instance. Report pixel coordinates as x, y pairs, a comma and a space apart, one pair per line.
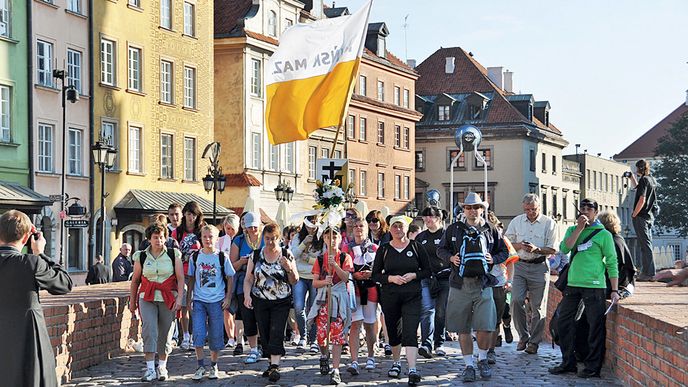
534, 237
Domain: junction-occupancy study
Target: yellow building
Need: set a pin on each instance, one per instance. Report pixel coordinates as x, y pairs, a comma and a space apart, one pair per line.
153, 93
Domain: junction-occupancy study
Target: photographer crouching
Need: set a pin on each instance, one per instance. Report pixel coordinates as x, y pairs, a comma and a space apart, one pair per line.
26, 355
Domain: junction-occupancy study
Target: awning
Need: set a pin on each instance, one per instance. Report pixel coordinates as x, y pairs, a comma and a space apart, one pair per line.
14, 196
146, 202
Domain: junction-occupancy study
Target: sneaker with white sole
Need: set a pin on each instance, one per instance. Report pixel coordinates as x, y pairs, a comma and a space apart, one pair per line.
315, 349
353, 368
149, 376
214, 372
302, 344
231, 343
186, 344
370, 364
252, 357
439, 351
199, 374
295, 338
163, 374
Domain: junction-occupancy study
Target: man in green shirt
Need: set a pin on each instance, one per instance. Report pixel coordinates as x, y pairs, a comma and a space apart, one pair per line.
586, 281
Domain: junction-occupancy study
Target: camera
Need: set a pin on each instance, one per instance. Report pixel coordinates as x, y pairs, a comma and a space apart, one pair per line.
628, 174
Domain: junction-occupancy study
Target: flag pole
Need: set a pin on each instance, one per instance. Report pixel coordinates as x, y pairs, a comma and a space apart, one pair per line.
336, 138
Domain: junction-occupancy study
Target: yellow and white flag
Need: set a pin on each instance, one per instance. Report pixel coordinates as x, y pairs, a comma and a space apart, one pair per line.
310, 78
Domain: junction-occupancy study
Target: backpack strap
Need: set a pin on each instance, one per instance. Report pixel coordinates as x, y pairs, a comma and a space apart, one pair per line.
574, 251
142, 257
222, 268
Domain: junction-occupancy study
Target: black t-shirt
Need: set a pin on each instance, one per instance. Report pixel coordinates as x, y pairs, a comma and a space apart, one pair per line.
429, 241
390, 261
646, 187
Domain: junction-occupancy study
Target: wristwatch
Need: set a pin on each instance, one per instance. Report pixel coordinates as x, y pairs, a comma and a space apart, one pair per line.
615, 291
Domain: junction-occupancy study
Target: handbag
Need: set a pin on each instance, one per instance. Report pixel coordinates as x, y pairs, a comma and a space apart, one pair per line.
563, 279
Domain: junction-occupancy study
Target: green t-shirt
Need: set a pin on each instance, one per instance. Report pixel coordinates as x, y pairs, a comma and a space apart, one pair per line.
588, 266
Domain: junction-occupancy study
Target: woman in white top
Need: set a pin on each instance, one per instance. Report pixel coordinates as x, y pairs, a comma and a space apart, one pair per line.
230, 225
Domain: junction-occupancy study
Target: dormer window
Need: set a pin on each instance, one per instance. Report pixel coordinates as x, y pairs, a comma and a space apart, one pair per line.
443, 112
381, 49
475, 106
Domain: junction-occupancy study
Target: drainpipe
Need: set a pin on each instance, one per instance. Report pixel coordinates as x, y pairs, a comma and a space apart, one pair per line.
91, 120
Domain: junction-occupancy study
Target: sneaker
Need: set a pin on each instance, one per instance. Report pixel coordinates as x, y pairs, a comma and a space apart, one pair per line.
301, 344
425, 352
335, 377
199, 374
370, 364
485, 369
252, 357
508, 336
295, 338
388, 350
315, 349
353, 368
439, 351
413, 378
163, 374
238, 350
149, 376
231, 343
532, 349
214, 372
522, 344
186, 344
468, 374
491, 357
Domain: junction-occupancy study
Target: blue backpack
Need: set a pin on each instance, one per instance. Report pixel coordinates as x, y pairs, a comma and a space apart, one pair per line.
473, 252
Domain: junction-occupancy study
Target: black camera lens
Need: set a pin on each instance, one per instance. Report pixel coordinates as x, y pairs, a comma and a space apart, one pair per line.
627, 174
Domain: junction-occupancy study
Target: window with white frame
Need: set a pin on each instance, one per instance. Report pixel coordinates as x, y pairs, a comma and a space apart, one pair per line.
362, 129
108, 135
397, 136
45, 147
44, 63
272, 23
362, 85
443, 113
189, 159
189, 87
166, 14
289, 155
75, 147
5, 18
380, 91
134, 159
397, 95
407, 187
397, 187
189, 19
135, 3
166, 94
256, 145
5, 114
107, 62
350, 126
166, 144
337, 154
380, 132
406, 98
74, 69
312, 156
324, 153
407, 135
380, 185
74, 6
363, 184
274, 157
256, 78
352, 177
134, 69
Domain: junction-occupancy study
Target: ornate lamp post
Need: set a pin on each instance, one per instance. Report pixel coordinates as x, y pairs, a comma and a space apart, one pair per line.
284, 192
411, 211
103, 156
214, 180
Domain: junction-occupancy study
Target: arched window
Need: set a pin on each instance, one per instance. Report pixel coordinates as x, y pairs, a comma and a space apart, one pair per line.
272, 24
134, 238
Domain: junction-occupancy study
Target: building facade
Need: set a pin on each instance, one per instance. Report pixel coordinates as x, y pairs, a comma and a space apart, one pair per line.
152, 101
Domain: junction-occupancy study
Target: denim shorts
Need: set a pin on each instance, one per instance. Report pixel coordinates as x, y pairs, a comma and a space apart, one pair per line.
208, 319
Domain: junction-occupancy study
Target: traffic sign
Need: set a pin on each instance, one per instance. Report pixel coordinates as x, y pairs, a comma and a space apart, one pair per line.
76, 223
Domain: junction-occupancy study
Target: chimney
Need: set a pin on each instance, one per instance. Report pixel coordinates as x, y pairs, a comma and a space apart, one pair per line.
449, 65
686, 97
509, 81
411, 63
495, 75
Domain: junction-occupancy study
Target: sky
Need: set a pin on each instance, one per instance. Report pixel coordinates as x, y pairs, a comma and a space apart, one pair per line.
610, 69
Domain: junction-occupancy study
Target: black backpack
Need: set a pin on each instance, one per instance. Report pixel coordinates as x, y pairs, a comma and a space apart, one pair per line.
473, 252
321, 259
170, 254
194, 256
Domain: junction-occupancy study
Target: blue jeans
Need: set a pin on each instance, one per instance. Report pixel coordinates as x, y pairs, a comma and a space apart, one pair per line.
427, 315
208, 319
643, 229
301, 305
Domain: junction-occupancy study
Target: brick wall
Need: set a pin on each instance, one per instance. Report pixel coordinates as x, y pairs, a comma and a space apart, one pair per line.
88, 326
647, 337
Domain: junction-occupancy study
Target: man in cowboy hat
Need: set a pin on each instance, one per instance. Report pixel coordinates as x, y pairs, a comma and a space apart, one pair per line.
534, 236
472, 247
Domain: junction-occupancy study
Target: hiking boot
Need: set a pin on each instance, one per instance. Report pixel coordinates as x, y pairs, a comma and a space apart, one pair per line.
149, 376
413, 378
532, 349
522, 344
468, 374
335, 377
560, 369
508, 336
491, 357
425, 352
353, 368
485, 369
214, 372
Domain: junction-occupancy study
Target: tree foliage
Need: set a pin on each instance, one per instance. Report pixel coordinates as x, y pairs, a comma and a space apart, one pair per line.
672, 177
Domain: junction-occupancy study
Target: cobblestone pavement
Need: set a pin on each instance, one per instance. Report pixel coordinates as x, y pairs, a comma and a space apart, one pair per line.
299, 369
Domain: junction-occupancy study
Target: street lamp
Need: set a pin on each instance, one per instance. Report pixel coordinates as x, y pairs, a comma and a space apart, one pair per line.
411, 211
71, 94
467, 138
214, 180
350, 196
283, 191
103, 156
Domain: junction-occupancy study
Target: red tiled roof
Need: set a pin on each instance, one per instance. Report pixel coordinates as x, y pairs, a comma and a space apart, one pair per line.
261, 37
468, 76
392, 59
228, 13
242, 180
645, 145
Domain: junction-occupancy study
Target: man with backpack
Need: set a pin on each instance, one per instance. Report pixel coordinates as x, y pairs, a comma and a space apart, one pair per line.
534, 236
472, 247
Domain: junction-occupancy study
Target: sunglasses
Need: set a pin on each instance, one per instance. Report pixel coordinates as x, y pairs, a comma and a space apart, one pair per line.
374, 220
350, 216
583, 207
472, 207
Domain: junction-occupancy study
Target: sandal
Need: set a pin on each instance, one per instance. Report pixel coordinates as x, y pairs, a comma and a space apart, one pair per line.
324, 366
395, 371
